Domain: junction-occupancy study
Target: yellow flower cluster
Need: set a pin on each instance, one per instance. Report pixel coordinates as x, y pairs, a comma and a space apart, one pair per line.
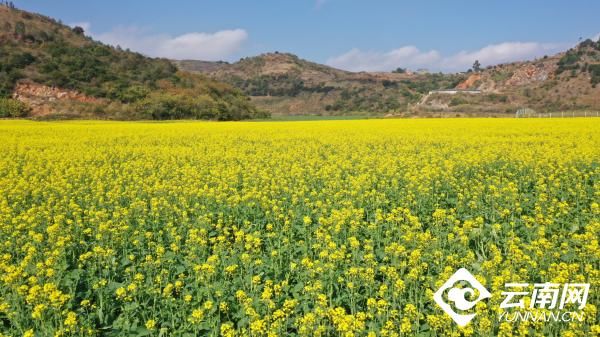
330, 228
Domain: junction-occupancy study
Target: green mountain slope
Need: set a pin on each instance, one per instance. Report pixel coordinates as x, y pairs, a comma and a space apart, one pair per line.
283, 83
105, 81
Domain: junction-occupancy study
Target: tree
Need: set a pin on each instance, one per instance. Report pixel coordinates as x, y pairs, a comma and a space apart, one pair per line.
399, 70
78, 30
476, 66
21, 60
8, 4
11, 108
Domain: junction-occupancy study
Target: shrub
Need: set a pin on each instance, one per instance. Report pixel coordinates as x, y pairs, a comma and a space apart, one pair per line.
594, 70
497, 98
457, 100
22, 60
568, 62
161, 106
11, 108
165, 106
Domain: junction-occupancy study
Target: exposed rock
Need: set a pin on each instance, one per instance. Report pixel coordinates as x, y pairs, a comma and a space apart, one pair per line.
37, 96
531, 73
469, 82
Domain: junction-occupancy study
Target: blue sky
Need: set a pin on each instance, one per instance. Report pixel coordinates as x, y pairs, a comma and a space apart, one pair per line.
354, 35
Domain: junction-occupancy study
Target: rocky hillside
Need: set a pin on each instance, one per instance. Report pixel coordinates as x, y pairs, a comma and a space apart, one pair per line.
283, 83
54, 70
566, 81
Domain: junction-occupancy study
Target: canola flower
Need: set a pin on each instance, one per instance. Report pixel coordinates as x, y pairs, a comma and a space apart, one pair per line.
337, 228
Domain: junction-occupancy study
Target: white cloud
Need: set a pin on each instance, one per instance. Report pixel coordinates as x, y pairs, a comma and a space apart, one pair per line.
408, 56
411, 57
500, 53
200, 46
196, 45
596, 37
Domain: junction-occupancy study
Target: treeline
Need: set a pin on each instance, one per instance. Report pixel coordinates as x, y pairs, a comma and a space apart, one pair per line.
276, 85
214, 101
365, 99
357, 95
434, 81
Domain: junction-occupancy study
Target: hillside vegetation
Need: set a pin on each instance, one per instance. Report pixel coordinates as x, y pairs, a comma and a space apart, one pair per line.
565, 81
55, 71
286, 84
38, 49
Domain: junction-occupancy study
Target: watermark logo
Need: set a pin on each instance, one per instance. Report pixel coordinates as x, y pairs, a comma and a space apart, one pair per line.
546, 302
457, 288
557, 301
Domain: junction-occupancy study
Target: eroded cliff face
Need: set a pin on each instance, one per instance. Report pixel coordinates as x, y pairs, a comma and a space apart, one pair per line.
40, 97
504, 77
531, 73
470, 82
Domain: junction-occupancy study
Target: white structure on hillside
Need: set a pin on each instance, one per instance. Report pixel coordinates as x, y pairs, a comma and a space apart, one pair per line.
455, 91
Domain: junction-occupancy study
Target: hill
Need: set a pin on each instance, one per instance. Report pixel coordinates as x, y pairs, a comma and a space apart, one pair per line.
283, 83
50, 70
566, 81
54, 70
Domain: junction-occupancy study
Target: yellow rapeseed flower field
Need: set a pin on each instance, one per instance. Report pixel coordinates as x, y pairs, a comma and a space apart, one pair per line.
317, 228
